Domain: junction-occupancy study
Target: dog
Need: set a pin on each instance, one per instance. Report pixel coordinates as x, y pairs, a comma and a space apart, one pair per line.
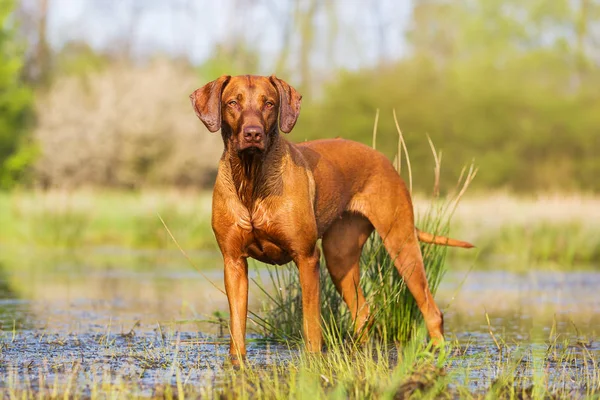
273, 200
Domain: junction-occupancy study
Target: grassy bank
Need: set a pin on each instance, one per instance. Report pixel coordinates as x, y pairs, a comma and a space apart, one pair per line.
549, 231
61, 219
560, 232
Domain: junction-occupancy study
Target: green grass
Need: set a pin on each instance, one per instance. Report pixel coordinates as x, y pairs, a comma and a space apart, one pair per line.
105, 218
561, 232
557, 245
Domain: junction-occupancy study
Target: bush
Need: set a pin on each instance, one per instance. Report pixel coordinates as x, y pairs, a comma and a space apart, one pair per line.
124, 126
16, 152
529, 117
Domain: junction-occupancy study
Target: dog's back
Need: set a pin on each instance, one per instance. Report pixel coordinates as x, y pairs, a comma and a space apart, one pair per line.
350, 176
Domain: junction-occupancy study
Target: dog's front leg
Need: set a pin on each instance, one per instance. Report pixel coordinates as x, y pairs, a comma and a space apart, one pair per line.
311, 305
236, 286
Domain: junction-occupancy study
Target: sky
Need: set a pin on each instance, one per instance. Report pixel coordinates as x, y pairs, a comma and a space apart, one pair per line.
193, 27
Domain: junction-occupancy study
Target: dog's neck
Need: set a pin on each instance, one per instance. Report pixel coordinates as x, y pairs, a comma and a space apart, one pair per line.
257, 175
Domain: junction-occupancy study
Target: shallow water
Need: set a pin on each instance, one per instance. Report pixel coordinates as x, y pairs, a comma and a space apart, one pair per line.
108, 311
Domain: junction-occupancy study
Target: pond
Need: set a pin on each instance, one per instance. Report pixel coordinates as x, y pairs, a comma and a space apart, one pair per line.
112, 312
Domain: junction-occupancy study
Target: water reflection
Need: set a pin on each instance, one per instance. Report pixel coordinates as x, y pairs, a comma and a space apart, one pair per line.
522, 306
14, 311
115, 289
100, 290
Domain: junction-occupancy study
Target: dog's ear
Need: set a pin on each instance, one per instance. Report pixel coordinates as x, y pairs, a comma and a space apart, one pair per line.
207, 102
289, 104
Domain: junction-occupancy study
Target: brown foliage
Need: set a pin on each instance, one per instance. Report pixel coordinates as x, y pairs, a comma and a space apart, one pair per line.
125, 126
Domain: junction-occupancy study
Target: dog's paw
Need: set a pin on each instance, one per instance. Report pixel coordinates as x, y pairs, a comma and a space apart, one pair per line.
236, 362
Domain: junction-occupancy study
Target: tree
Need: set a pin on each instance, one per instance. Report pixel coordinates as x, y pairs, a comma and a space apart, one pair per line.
510, 83
16, 153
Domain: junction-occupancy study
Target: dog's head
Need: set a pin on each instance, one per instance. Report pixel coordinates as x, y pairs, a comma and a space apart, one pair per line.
249, 110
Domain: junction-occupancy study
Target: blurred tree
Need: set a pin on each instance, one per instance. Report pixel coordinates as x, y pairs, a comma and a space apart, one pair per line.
305, 15
232, 58
126, 126
78, 58
33, 29
131, 13
513, 84
16, 151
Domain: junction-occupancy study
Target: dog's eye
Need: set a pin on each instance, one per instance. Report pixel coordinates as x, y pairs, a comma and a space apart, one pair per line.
269, 104
232, 103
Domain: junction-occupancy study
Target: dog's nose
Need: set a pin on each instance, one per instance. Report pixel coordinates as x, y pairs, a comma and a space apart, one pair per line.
253, 133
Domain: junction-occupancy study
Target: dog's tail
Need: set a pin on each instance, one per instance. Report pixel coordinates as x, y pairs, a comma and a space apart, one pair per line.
443, 240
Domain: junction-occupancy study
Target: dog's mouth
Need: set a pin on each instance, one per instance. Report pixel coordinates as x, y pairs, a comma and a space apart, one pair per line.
251, 148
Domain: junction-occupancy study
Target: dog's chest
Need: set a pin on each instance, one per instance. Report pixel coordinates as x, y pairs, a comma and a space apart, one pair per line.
266, 242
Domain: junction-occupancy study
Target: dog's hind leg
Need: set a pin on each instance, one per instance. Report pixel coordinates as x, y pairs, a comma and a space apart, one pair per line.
342, 247
409, 262
393, 218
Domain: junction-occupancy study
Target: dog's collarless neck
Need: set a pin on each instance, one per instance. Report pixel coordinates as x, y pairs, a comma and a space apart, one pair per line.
257, 175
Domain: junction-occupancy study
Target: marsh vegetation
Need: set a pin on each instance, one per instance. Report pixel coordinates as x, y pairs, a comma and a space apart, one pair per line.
84, 317
112, 323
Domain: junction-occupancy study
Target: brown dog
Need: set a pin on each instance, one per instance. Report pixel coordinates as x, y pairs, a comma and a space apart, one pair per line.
273, 200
